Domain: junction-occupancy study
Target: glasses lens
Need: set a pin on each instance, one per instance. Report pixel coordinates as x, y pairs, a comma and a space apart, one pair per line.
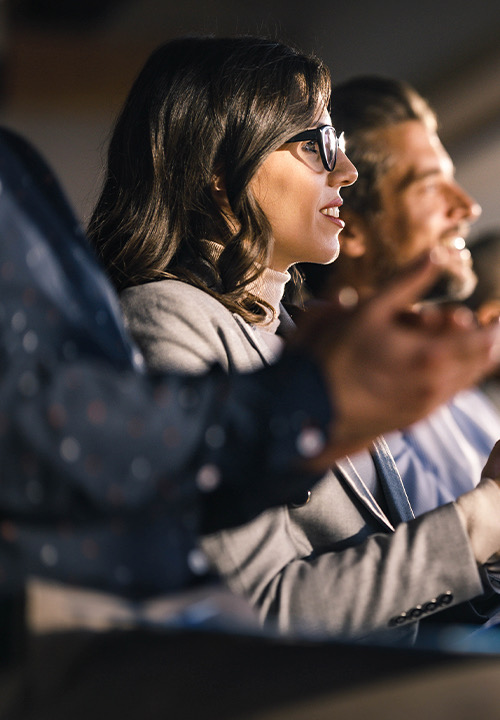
329, 146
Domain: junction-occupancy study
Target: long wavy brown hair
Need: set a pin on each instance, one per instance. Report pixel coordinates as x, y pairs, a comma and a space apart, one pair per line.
201, 108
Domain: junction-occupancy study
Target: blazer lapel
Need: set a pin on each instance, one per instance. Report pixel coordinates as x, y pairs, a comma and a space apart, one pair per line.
398, 504
267, 354
347, 472
286, 325
397, 500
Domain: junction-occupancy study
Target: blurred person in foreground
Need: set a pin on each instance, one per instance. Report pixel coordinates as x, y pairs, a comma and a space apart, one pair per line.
108, 476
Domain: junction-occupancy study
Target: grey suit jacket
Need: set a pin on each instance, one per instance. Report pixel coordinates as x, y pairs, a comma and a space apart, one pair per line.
336, 564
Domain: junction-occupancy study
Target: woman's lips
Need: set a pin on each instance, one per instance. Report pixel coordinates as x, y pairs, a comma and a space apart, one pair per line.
332, 213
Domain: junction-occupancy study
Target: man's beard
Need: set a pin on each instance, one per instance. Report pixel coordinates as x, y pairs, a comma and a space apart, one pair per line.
454, 284
451, 287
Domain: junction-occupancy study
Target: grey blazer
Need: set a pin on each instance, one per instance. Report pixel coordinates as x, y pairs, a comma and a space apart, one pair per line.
336, 564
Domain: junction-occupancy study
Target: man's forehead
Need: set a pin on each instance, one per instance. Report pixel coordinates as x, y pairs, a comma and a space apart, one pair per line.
412, 152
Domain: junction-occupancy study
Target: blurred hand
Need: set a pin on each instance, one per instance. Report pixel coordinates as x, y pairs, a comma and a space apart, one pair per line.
492, 468
488, 312
387, 366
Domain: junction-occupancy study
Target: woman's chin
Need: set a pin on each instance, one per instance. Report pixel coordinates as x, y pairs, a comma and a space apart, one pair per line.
329, 254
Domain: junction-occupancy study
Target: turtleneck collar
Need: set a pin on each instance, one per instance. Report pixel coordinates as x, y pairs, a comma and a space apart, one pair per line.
269, 286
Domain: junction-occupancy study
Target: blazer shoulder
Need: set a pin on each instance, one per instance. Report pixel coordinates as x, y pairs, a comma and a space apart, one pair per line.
173, 296
180, 327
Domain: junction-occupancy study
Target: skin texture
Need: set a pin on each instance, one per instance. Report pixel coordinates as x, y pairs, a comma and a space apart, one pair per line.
421, 207
292, 194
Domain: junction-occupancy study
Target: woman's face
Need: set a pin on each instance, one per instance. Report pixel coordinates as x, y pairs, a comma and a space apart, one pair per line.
301, 202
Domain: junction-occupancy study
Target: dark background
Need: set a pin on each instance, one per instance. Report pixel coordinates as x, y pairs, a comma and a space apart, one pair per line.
67, 65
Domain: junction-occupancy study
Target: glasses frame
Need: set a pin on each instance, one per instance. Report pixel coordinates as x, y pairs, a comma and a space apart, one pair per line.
318, 134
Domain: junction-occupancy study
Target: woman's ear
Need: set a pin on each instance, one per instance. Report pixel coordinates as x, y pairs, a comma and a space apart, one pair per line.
219, 193
354, 235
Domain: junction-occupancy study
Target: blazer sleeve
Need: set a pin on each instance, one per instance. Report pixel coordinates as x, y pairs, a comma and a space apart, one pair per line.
386, 581
380, 582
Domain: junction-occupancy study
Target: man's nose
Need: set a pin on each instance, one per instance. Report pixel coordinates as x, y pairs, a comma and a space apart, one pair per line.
462, 205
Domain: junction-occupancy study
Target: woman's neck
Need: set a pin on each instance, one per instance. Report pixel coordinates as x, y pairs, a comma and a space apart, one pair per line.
269, 287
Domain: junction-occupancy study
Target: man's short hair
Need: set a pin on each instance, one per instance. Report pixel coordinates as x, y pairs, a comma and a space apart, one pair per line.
362, 106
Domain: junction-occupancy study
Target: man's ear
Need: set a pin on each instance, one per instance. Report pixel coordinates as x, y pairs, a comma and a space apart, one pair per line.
354, 239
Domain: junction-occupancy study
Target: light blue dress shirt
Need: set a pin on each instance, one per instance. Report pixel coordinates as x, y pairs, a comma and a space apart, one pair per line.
442, 456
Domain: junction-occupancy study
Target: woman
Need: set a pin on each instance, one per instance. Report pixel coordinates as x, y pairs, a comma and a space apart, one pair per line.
201, 164
223, 172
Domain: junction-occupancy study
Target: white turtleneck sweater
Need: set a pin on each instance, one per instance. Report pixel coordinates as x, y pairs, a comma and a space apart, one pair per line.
269, 287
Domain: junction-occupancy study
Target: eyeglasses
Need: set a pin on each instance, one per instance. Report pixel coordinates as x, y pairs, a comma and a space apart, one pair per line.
325, 139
